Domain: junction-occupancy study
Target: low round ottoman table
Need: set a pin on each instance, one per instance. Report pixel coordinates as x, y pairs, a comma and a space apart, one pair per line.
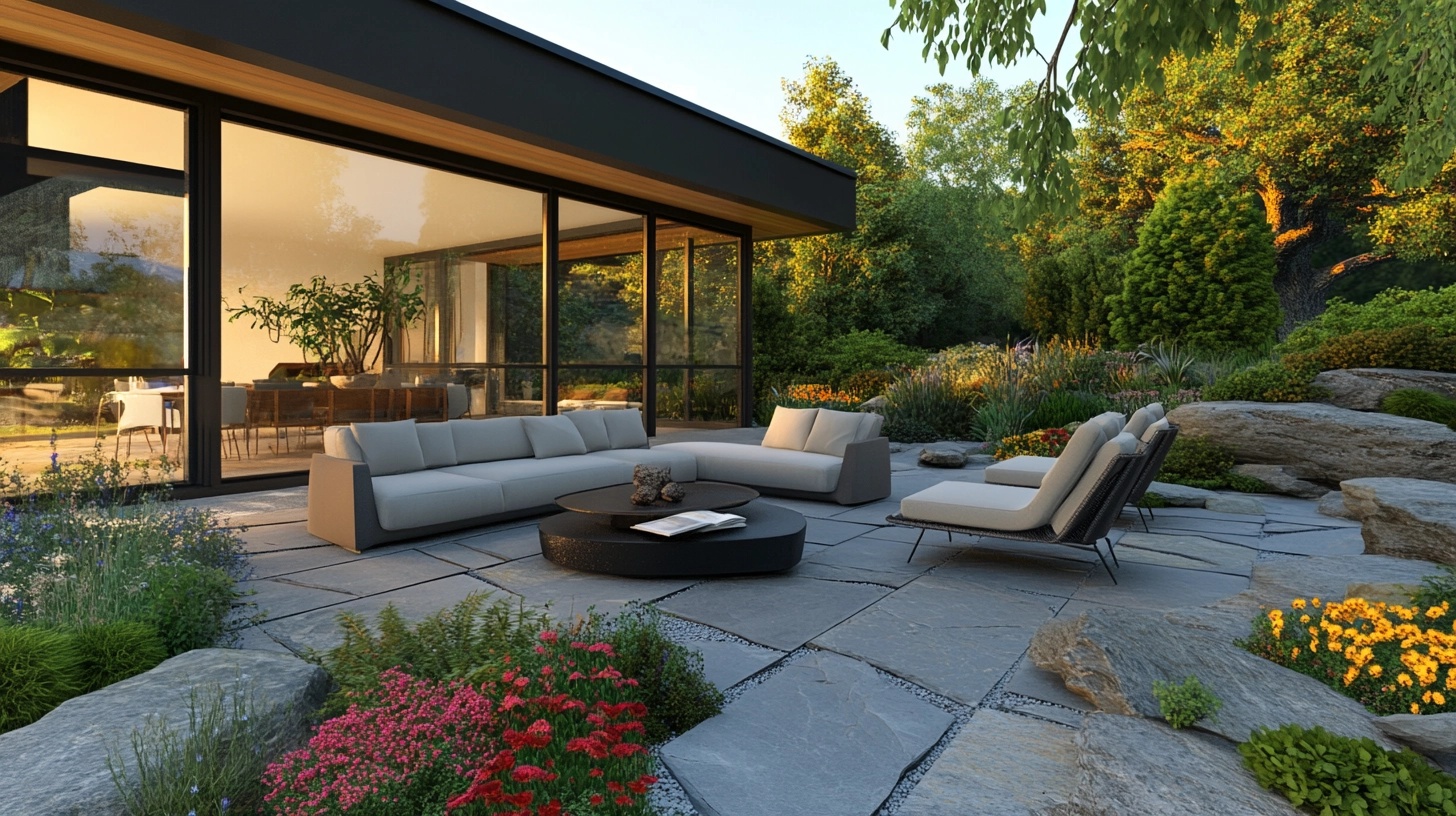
595, 534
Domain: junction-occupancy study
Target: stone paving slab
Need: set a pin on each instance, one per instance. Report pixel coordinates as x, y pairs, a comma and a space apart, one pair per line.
998, 765
831, 531
1039, 569
1040, 684
1247, 506
1198, 513
781, 611
276, 598
460, 555
508, 544
1345, 541
319, 629
1146, 586
826, 736
282, 562
274, 537
370, 576
1166, 524
872, 560
1315, 520
873, 513
1069, 717
948, 635
805, 508
905, 534
1186, 552
726, 663
570, 593
254, 638
1273, 527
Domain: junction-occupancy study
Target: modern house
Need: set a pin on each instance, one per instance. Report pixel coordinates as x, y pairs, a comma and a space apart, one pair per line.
580, 238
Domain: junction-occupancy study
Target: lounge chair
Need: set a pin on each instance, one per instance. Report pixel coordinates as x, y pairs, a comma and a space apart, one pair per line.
1075, 505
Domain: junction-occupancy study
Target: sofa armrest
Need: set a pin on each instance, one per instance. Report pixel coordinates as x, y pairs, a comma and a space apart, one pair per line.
865, 474
341, 503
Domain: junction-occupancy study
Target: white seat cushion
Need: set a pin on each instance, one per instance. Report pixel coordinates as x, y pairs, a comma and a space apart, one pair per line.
1020, 471
390, 447
833, 431
789, 429
527, 483
411, 500
489, 440
991, 507
758, 466
684, 465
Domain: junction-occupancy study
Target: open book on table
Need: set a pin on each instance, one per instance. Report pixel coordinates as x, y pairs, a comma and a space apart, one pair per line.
690, 522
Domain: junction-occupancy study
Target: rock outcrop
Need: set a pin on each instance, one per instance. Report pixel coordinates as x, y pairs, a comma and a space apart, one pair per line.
1281, 481
1322, 443
1362, 389
1406, 518
58, 763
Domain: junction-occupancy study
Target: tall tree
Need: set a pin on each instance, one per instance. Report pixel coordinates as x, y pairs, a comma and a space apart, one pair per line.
825, 114
1107, 48
955, 139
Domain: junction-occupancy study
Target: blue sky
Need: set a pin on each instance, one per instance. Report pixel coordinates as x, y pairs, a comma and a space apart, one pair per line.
729, 57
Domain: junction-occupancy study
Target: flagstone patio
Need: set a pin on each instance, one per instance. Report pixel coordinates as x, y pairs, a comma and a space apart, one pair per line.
858, 683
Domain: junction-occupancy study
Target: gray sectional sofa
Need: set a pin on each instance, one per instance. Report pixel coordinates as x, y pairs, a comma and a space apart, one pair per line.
380, 482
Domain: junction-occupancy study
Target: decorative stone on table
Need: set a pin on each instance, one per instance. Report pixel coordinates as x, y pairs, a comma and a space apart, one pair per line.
652, 483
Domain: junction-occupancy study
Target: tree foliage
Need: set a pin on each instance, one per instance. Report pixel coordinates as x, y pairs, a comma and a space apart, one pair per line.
1071, 271
1122, 46
1202, 273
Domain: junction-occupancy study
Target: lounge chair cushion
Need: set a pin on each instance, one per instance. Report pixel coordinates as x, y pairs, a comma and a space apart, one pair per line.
625, 428
790, 427
1142, 418
489, 440
966, 504
553, 436
437, 444
390, 447
1067, 512
592, 427
1160, 425
1111, 422
1020, 471
833, 431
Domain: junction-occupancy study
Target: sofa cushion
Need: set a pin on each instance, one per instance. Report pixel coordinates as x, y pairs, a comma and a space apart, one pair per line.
411, 500
789, 429
684, 465
869, 426
592, 427
758, 466
1020, 471
489, 440
833, 431
390, 447
553, 436
986, 506
339, 442
625, 428
1120, 444
437, 443
528, 483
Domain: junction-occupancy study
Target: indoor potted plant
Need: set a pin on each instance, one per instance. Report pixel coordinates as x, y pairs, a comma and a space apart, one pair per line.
341, 326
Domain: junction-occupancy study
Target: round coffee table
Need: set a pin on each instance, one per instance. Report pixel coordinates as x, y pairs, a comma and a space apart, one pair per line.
771, 541
615, 502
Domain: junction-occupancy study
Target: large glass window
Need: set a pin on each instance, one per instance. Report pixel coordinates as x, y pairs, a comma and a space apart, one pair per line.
697, 324
93, 264
299, 212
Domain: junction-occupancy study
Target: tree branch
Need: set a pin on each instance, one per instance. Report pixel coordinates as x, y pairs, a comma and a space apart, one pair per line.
1351, 264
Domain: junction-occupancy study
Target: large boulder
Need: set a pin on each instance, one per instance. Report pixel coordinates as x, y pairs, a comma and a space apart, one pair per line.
1322, 443
1407, 518
1362, 389
1112, 656
1281, 481
57, 765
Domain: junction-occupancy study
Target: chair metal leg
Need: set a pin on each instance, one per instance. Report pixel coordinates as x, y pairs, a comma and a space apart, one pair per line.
917, 545
1152, 515
1112, 551
1105, 565
1142, 518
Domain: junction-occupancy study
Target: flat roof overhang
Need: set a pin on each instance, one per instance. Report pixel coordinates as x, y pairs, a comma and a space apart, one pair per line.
443, 75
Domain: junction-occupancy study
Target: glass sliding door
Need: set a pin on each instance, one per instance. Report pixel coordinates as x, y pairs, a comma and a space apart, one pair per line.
698, 338
600, 319
94, 262
297, 212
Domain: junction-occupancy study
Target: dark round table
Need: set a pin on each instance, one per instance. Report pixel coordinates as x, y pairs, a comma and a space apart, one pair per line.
615, 502
772, 541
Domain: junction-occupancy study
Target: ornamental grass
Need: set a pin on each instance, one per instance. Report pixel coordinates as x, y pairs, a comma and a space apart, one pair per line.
1393, 659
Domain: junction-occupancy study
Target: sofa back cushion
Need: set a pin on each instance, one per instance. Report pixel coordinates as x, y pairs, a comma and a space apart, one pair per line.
489, 440
339, 442
832, 431
625, 428
790, 427
1118, 445
553, 436
437, 443
592, 427
390, 447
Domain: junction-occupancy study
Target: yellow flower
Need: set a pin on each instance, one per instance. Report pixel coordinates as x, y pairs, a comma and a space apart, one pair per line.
1415, 708
1404, 679
1294, 652
1297, 603
1376, 670
1435, 612
1314, 602
1353, 672
1438, 698
1304, 619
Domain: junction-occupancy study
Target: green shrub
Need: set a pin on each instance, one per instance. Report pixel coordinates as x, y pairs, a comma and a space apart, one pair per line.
1419, 404
114, 651
910, 430
669, 676
188, 605
1404, 347
1197, 461
927, 398
858, 351
39, 669
1266, 382
1329, 774
869, 384
1432, 309
1183, 704
1058, 409
1436, 590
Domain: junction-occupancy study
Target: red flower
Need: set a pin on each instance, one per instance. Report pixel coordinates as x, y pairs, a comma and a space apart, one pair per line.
548, 636
596, 799
624, 799
594, 772
528, 773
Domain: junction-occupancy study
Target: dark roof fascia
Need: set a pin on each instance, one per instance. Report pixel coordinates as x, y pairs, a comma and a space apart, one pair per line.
506, 81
